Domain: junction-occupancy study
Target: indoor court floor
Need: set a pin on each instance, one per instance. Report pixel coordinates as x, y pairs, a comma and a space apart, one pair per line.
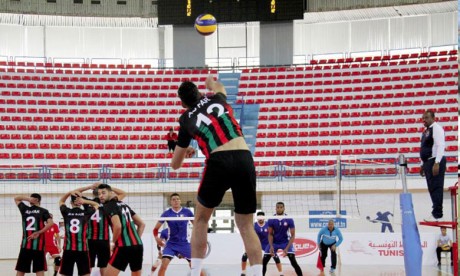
7, 269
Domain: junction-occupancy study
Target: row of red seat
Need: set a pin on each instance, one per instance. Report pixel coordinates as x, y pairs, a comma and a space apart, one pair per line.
74, 94
37, 79
309, 84
358, 74
341, 97
336, 124
52, 86
334, 152
153, 145
346, 142
288, 133
96, 156
332, 106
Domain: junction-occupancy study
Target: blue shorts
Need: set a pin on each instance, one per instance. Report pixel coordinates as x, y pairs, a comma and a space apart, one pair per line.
183, 250
278, 246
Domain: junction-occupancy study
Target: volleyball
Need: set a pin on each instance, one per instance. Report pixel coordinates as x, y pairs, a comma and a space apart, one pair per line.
445, 247
205, 24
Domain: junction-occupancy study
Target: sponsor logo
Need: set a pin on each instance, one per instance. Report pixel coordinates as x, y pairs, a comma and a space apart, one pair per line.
304, 247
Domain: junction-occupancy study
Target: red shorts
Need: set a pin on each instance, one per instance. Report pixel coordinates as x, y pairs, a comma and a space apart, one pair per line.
51, 249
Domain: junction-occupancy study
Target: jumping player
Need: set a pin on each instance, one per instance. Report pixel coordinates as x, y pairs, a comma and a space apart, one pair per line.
229, 165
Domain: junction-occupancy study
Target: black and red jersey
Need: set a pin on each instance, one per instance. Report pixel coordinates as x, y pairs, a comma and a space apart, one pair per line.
98, 227
129, 235
210, 122
76, 226
33, 220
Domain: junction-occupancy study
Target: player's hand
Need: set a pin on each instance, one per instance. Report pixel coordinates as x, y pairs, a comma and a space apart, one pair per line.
190, 152
159, 242
272, 251
285, 253
33, 236
76, 194
333, 247
422, 173
435, 169
95, 185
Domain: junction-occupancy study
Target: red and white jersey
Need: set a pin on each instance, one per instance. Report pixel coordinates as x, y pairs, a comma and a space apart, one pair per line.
51, 235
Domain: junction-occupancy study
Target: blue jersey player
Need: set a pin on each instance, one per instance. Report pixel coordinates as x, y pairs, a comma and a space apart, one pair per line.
177, 243
278, 238
261, 228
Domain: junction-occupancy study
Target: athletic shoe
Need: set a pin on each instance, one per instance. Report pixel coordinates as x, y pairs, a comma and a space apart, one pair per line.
332, 270
242, 274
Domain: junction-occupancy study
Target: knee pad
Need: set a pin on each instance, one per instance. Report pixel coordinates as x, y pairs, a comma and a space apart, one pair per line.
244, 258
57, 261
276, 258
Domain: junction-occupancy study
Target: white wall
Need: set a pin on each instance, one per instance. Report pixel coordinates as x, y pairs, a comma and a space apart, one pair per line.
381, 34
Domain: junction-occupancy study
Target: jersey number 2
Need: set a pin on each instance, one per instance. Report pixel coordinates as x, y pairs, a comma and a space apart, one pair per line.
30, 224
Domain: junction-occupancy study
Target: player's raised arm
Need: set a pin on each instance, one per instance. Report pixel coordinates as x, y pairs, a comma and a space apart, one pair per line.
90, 187
121, 194
63, 199
18, 199
215, 86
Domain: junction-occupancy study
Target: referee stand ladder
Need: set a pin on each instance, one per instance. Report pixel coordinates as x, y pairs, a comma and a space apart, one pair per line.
450, 224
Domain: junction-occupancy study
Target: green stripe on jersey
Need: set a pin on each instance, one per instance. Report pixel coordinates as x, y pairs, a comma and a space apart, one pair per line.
125, 231
211, 141
229, 125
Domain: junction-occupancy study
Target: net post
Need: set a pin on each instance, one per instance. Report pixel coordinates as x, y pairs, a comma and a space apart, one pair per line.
410, 234
454, 194
402, 171
338, 184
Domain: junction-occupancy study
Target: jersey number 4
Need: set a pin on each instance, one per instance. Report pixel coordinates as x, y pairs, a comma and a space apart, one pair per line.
96, 216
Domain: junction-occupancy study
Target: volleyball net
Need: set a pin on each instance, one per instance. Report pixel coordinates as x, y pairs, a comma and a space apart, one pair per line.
313, 190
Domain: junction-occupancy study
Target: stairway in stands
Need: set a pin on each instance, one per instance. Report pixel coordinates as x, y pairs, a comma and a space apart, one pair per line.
247, 114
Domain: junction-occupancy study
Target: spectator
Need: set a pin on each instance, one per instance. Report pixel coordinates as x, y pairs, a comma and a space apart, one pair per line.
171, 137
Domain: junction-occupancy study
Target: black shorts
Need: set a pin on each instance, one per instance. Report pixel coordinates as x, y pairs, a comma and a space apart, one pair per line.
28, 257
132, 255
101, 250
69, 258
233, 169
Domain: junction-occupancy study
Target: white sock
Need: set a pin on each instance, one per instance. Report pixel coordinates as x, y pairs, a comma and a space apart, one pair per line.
243, 272
196, 266
256, 270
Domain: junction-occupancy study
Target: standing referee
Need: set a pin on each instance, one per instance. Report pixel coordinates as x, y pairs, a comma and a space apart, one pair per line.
433, 165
